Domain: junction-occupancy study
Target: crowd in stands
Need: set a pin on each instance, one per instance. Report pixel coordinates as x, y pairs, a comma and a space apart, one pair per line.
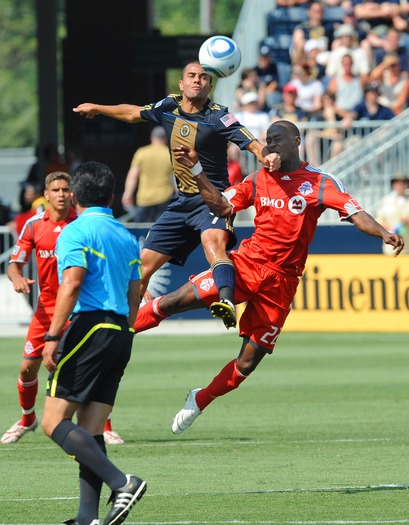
354, 68
31, 196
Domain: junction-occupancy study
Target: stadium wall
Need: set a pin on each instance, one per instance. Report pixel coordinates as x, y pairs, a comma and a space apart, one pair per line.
348, 284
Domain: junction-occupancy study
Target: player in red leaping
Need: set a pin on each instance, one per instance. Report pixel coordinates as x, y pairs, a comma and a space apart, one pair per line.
288, 203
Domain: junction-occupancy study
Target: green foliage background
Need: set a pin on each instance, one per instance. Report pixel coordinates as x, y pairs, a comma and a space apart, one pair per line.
18, 45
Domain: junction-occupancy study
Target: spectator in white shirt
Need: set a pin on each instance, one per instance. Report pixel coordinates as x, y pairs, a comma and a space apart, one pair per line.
346, 43
250, 116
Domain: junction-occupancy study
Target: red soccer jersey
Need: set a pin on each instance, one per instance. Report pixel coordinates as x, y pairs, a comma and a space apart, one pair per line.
288, 206
40, 234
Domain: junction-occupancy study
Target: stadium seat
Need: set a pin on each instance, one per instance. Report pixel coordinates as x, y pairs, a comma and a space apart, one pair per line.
295, 14
282, 27
333, 13
278, 40
280, 55
284, 70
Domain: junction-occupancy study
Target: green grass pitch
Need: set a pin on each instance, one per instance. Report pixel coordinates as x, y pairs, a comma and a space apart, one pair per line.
319, 434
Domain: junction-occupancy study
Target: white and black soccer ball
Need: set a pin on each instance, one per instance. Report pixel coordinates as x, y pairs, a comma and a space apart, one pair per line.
220, 56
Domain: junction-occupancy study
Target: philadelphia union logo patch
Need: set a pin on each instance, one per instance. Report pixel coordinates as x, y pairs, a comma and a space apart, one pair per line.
185, 130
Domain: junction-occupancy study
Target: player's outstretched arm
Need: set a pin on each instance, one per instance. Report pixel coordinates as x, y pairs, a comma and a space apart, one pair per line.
216, 201
367, 224
126, 112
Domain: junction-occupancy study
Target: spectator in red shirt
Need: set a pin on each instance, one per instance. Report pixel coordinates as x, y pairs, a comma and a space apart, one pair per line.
233, 164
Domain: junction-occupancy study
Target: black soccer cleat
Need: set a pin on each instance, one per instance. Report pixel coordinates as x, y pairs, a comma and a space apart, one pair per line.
124, 499
226, 311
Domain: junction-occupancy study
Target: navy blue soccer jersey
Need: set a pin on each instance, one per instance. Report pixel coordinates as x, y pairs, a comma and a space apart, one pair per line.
208, 132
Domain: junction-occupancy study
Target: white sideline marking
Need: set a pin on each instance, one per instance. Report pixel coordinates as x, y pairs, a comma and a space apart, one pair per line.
175, 442
253, 522
294, 490
264, 522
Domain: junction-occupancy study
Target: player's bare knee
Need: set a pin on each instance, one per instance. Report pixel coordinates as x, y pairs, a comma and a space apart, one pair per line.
246, 367
46, 426
29, 370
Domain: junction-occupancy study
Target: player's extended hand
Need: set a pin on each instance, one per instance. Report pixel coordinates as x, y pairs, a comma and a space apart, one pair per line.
22, 285
185, 155
87, 109
49, 355
396, 241
272, 162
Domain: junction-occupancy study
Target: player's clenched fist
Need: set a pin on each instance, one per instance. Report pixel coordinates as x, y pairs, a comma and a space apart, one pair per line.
87, 109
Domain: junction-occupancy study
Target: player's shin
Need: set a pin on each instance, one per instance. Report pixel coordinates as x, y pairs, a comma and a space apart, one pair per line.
224, 277
27, 392
228, 379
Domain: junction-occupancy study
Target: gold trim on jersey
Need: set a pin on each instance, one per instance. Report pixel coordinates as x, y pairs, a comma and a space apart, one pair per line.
184, 133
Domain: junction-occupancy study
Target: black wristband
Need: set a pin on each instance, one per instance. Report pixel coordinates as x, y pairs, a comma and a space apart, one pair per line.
48, 337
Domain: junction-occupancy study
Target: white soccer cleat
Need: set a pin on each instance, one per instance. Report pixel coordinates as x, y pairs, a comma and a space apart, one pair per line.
112, 438
185, 418
16, 432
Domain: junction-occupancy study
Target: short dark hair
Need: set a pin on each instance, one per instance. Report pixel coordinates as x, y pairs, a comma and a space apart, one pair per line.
288, 125
93, 184
198, 63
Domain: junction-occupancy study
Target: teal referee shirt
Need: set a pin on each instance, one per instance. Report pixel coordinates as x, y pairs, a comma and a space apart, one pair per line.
110, 254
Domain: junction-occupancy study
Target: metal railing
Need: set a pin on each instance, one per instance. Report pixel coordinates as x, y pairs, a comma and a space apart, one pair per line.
365, 156
15, 308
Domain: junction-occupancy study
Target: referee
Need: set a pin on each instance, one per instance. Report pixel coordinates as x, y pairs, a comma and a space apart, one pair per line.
99, 272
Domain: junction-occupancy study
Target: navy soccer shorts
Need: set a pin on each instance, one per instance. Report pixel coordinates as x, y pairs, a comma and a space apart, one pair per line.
177, 231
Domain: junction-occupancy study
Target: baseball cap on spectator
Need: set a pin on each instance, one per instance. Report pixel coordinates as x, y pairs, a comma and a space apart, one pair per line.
249, 98
265, 51
290, 88
380, 30
349, 11
391, 58
344, 30
372, 86
399, 177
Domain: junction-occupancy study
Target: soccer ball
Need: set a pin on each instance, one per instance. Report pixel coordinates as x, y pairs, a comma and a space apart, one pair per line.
220, 56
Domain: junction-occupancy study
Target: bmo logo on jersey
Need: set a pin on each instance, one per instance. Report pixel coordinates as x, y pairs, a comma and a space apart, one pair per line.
46, 254
297, 204
274, 203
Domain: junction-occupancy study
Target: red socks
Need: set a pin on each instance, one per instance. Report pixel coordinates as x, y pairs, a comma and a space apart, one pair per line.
27, 393
149, 316
107, 426
227, 380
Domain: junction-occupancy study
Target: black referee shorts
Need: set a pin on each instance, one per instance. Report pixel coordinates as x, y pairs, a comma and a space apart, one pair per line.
92, 357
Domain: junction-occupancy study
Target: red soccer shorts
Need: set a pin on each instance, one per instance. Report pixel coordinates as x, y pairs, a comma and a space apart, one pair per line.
267, 291
40, 323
